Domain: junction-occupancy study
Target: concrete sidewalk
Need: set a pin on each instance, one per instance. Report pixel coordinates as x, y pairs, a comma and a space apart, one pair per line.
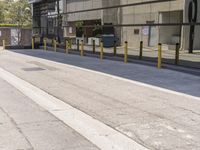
153, 117
25, 125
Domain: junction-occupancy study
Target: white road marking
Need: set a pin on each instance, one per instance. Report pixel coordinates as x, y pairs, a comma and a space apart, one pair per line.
103, 136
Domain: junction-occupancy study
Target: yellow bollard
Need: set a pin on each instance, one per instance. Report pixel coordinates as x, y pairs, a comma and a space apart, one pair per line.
82, 48
126, 52
101, 51
177, 54
45, 44
33, 43
159, 56
55, 45
66, 47
4, 45
141, 50
94, 46
78, 45
115, 47
70, 44
52, 42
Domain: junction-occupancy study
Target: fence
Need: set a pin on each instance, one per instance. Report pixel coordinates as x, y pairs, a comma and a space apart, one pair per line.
14, 36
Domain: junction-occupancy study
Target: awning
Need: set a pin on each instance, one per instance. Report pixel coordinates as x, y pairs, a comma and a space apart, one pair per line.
33, 1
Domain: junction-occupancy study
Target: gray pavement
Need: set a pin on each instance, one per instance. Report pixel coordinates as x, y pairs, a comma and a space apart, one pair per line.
164, 78
26, 126
154, 118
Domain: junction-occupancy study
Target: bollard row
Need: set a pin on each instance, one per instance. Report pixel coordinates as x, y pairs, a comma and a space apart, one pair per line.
80, 47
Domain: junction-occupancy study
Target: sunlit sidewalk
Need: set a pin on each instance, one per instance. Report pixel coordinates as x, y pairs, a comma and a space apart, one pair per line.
25, 125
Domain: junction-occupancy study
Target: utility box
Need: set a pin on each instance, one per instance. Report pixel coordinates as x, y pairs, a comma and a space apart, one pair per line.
108, 40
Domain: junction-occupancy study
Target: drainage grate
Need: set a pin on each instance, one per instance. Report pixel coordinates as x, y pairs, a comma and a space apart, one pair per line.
33, 69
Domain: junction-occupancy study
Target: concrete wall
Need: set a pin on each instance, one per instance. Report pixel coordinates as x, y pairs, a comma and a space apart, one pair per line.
106, 16
170, 34
142, 14
26, 35
74, 5
113, 16
5, 35
127, 15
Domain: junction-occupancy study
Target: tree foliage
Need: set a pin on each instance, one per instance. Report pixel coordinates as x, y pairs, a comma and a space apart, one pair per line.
15, 12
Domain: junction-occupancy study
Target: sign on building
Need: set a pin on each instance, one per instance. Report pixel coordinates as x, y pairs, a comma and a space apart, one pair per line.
145, 30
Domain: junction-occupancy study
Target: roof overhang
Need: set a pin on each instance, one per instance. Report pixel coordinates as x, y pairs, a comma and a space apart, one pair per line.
37, 1
34, 1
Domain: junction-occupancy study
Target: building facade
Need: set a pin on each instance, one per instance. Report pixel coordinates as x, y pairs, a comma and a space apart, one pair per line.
173, 12
47, 18
141, 17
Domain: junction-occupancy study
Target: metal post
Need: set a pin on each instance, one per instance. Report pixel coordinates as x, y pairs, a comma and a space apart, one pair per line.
159, 56
94, 46
66, 47
126, 52
33, 43
45, 44
78, 44
52, 43
101, 52
4, 45
55, 45
177, 54
141, 50
82, 48
115, 48
70, 43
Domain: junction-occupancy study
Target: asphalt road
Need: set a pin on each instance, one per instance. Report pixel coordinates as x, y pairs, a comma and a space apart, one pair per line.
159, 109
